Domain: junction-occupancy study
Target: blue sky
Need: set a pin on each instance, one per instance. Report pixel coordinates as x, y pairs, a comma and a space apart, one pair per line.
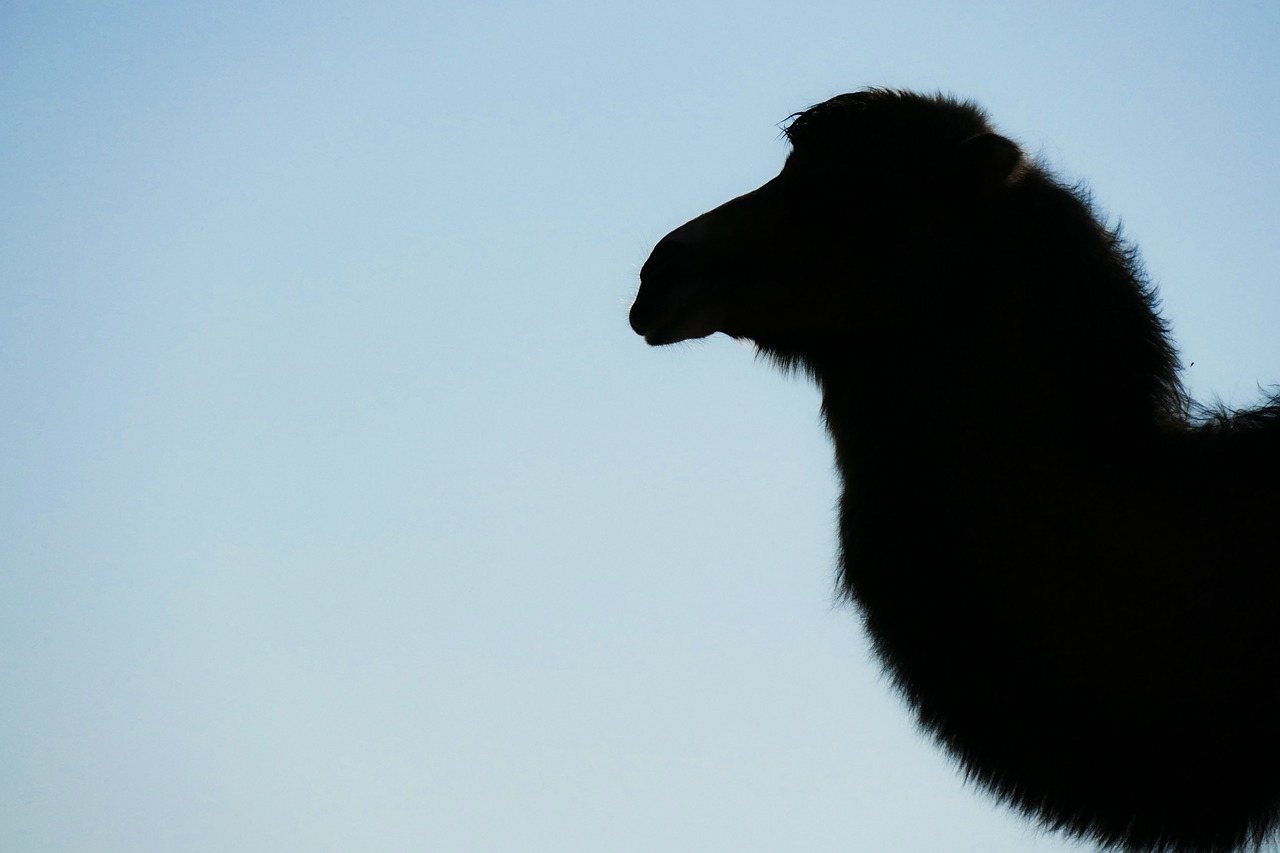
341, 508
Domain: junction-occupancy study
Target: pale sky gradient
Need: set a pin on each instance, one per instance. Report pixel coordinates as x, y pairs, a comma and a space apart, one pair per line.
340, 509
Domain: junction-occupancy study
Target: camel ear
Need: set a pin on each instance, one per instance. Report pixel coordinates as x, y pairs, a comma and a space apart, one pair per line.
988, 160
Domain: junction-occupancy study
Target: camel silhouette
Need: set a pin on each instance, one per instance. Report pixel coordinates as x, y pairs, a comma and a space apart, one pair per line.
1069, 568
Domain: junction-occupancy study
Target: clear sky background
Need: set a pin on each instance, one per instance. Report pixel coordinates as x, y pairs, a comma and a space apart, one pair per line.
340, 509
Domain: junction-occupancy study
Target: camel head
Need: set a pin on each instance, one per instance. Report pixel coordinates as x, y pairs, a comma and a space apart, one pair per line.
879, 190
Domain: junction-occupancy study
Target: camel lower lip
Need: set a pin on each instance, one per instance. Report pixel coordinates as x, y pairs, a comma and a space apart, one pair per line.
656, 333
662, 335
652, 334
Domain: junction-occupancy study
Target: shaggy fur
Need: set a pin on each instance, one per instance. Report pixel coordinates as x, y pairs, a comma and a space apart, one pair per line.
1071, 579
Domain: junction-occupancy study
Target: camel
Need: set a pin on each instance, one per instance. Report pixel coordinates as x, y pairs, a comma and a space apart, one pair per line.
1068, 568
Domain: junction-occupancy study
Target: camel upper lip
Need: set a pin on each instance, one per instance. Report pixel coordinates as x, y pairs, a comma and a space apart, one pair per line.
652, 310
639, 324
656, 314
